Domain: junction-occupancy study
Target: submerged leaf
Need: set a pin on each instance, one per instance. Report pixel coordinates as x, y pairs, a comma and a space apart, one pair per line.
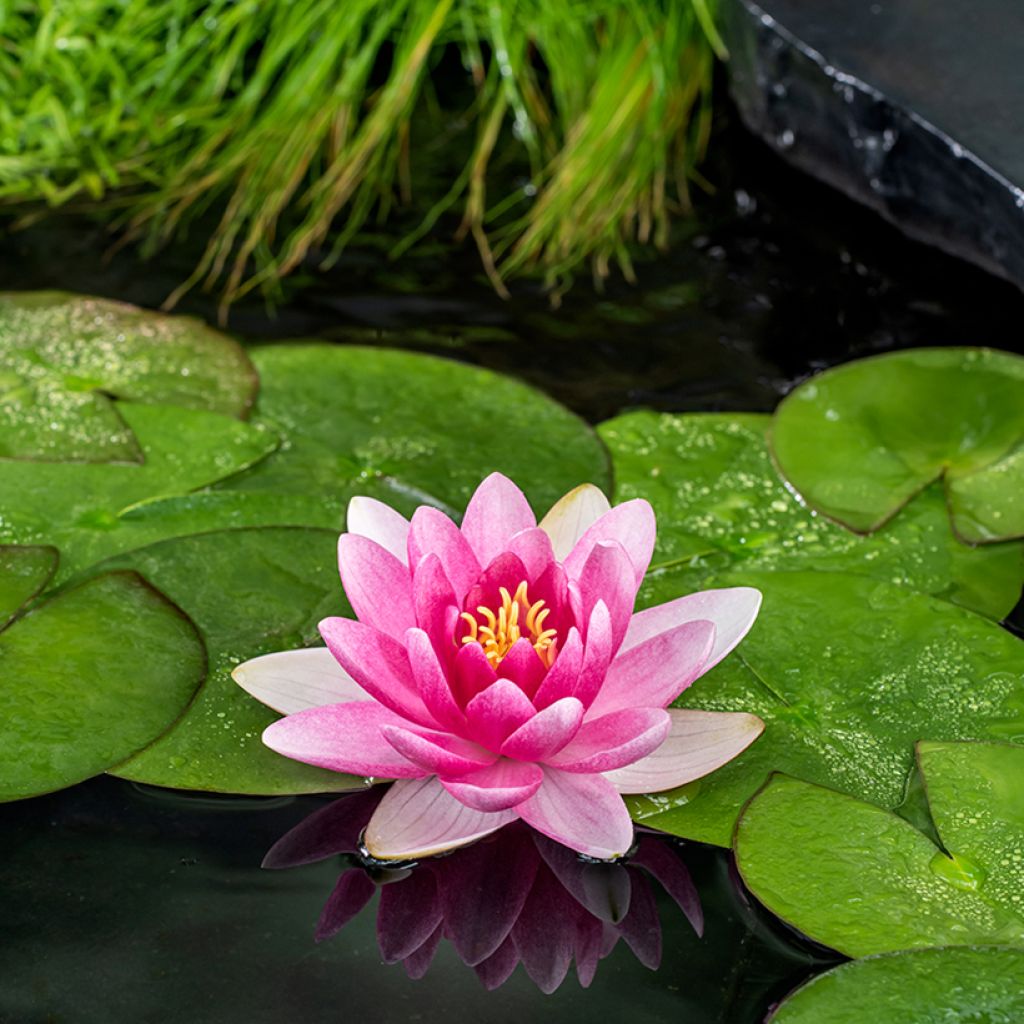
24, 571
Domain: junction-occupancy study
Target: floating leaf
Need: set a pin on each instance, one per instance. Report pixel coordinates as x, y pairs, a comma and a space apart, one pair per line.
721, 505
869, 882
848, 673
79, 506
64, 359
432, 427
951, 985
24, 571
859, 441
89, 678
249, 592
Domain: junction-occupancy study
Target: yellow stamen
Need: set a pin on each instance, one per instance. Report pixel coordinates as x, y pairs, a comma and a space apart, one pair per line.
503, 629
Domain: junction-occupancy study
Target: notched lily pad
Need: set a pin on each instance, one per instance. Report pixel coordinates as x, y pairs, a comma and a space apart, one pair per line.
434, 428
89, 678
869, 882
950, 985
24, 571
65, 359
861, 440
848, 673
249, 592
722, 506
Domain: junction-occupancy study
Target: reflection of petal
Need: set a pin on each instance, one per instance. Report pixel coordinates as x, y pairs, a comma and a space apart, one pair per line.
582, 811
291, 681
497, 511
545, 933
325, 833
732, 610
418, 818
418, 962
698, 743
379, 522
603, 889
640, 927
590, 936
351, 893
343, 738
571, 516
407, 915
498, 967
664, 863
497, 787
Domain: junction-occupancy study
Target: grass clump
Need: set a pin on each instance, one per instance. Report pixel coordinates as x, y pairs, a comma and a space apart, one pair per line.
295, 122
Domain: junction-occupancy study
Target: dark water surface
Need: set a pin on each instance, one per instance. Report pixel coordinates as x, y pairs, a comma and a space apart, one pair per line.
125, 904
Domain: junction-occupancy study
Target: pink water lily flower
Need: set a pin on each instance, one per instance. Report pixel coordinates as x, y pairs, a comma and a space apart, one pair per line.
498, 671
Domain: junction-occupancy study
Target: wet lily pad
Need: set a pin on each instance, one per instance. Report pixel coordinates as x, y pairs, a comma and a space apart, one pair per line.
89, 678
859, 441
78, 507
24, 571
433, 428
951, 985
869, 882
722, 506
249, 592
848, 673
65, 360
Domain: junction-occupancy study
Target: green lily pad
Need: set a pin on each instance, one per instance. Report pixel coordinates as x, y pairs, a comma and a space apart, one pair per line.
721, 506
78, 507
65, 359
24, 571
951, 985
89, 678
859, 441
431, 427
249, 592
848, 673
862, 880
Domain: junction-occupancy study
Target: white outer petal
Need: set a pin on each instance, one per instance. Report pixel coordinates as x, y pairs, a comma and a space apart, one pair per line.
291, 681
381, 523
572, 515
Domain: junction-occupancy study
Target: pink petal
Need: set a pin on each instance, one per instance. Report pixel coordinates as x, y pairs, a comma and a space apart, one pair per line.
433, 533
533, 548
614, 740
608, 576
370, 518
493, 714
420, 818
438, 753
496, 511
342, 738
571, 516
498, 787
547, 732
654, 673
432, 595
378, 664
291, 681
507, 570
698, 743
597, 655
732, 610
523, 666
376, 584
583, 812
472, 673
562, 677
631, 524
431, 681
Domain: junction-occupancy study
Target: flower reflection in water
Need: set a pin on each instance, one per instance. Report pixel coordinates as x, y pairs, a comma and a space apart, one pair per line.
514, 897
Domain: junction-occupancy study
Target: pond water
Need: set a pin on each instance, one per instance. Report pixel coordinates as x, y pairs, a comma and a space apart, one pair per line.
131, 903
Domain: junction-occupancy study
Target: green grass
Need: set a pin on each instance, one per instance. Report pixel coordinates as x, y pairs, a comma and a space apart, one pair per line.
296, 122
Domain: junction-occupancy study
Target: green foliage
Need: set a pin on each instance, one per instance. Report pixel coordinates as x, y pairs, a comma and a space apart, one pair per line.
283, 115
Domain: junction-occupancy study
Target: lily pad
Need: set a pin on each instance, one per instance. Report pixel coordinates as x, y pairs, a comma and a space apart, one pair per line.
722, 506
24, 571
848, 673
89, 678
79, 506
862, 880
951, 985
65, 360
859, 441
431, 427
249, 592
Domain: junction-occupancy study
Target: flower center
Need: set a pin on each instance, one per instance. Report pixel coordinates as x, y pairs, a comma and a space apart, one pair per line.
516, 618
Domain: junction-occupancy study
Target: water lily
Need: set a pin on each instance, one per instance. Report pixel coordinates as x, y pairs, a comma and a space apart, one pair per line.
498, 671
